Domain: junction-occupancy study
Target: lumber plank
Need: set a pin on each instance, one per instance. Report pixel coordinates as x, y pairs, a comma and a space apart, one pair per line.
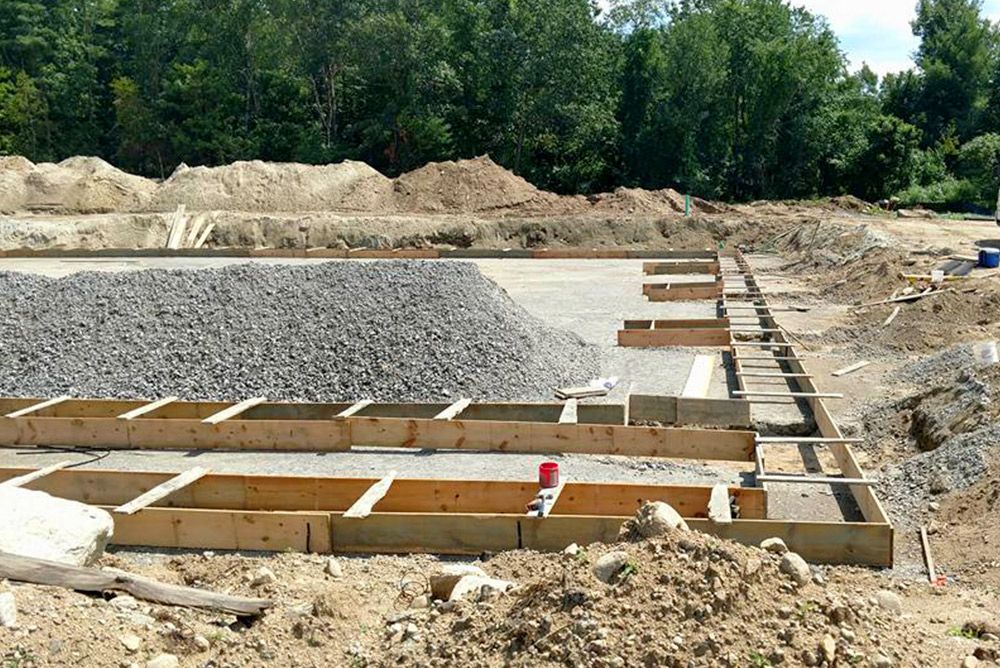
857, 366
162, 491
569, 412
195, 528
354, 408
234, 410
363, 506
689, 410
699, 379
797, 395
925, 544
661, 338
453, 410
290, 493
204, 235
22, 480
929, 292
34, 408
814, 480
799, 440
79, 578
146, 409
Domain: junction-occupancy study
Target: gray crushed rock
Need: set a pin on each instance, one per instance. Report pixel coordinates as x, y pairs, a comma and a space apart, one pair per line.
339, 331
950, 415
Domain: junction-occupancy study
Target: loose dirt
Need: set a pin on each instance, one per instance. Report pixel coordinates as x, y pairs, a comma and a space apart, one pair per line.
682, 599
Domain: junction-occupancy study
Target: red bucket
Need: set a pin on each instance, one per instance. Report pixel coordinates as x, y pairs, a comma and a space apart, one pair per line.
548, 474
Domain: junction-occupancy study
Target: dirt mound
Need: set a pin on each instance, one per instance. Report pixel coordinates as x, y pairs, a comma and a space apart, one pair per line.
684, 599
466, 185
961, 314
270, 186
640, 201
75, 185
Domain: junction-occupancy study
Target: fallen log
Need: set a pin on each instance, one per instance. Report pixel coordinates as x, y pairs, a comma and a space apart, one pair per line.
43, 572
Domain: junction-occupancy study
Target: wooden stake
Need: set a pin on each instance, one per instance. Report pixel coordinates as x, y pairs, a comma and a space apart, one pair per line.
568, 414
928, 557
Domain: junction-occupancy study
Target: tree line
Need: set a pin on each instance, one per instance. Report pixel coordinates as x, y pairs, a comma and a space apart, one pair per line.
724, 99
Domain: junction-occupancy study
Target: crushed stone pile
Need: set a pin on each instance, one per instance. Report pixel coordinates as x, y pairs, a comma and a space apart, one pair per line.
391, 330
75, 185
270, 186
938, 440
682, 599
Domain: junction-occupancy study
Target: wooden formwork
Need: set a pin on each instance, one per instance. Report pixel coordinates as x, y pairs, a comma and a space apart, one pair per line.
320, 427
700, 332
260, 512
674, 267
674, 292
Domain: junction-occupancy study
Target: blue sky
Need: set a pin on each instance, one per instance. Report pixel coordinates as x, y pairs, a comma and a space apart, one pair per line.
877, 31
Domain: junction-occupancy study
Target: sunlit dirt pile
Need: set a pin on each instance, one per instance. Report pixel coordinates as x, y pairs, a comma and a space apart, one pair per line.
75, 185
270, 186
678, 600
467, 185
477, 185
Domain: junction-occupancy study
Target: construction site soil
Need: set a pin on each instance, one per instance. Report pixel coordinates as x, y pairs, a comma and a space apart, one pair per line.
925, 408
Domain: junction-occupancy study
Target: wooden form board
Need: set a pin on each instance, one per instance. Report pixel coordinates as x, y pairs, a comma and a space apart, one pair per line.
524, 428
435, 516
218, 491
365, 253
675, 267
689, 410
679, 332
672, 292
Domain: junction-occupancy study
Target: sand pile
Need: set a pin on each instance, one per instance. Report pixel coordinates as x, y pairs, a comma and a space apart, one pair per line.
271, 186
466, 185
75, 185
638, 200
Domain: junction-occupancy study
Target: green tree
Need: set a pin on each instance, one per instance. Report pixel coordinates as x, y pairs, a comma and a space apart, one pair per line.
954, 57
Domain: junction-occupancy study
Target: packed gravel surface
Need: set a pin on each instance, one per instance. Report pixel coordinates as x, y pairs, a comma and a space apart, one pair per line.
394, 330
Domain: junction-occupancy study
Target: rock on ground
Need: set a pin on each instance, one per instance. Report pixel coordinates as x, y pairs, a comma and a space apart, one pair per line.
656, 518
607, 567
35, 524
796, 568
8, 610
338, 331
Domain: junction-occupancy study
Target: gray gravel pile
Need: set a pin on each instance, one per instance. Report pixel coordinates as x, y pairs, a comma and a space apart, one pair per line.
396, 330
953, 424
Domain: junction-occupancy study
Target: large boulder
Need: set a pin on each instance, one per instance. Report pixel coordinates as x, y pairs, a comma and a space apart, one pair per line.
35, 524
